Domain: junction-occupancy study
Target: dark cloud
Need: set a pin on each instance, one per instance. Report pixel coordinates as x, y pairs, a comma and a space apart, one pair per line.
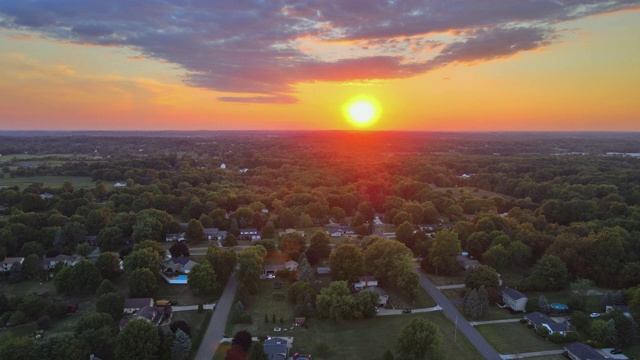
253, 47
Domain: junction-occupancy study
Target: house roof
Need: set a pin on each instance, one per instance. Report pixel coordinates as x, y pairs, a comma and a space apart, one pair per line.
137, 303
584, 351
11, 260
368, 278
275, 348
540, 319
291, 263
274, 267
513, 294
466, 261
211, 231
182, 260
151, 313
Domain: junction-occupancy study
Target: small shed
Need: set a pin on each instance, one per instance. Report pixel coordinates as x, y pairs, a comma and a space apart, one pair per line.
299, 321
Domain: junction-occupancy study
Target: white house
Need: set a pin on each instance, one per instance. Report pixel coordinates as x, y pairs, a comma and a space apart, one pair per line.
365, 282
50, 263
291, 265
514, 299
223, 166
538, 320
7, 263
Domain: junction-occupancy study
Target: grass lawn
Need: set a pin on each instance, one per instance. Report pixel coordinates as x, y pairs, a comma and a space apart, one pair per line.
198, 322
370, 338
182, 295
361, 339
441, 280
593, 301
52, 181
222, 349
510, 338
399, 301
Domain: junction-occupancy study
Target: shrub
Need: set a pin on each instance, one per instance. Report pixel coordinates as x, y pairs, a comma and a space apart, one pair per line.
523, 321
542, 331
17, 318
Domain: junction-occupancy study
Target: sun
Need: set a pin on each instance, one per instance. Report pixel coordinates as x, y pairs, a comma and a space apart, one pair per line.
362, 111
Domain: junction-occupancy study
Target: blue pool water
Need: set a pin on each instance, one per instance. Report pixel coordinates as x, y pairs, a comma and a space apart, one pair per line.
181, 277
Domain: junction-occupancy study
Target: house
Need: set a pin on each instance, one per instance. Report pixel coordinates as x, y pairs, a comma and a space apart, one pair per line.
175, 237
299, 321
211, 234
623, 308
538, 320
323, 270
276, 348
580, 351
365, 282
50, 263
249, 234
271, 269
383, 296
150, 314
466, 263
7, 263
182, 264
244, 170
514, 299
46, 196
223, 166
291, 265
120, 184
132, 305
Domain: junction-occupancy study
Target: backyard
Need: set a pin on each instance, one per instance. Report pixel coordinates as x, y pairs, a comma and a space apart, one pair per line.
510, 338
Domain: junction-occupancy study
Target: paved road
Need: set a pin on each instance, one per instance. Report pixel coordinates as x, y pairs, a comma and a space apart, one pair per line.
532, 354
215, 331
484, 349
454, 286
503, 321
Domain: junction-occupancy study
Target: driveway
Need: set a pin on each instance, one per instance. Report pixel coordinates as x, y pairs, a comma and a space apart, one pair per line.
484, 349
387, 312
215, 331
192, 307
532, 354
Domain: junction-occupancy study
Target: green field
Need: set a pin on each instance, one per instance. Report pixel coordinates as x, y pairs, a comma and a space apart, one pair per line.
475, 193
198, 323
510, 338
360, 339
48, 181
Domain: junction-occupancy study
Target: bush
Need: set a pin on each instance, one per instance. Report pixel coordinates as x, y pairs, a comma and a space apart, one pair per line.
17, 318
542, 331
523, 321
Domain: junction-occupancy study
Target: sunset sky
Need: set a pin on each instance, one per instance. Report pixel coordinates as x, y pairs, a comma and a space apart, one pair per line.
433, 65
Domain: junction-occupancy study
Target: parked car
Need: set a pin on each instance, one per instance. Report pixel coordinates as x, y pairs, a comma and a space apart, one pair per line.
616, 352
594, 315
406, 311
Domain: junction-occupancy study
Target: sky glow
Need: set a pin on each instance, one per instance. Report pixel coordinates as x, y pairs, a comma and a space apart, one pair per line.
497, 65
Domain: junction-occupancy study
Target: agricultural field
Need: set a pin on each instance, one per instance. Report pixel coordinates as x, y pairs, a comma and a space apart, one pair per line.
49, 181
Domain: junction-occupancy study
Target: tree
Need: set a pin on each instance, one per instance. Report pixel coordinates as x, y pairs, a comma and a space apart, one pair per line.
108, 263
482, 275
444, 250
17, 348
179, 249
292, 244
471, 304
32, 247
242, 339
181, 346
624, 328
84, 249
223, 262
600, 333
106, 287
256, 352
110, 239
250, 263
497, 257
144, 258
335, 303
229, 240
137, 340
388, 355
321, 242
543, 304
305, 272
366, 303
72, 234
549, 273
86, 277
110, 303
63, 280
194, 232
15, 276
420, 339
202, 279
391, 262
180, 325
346, 262
142, 283
30, 266
404, 234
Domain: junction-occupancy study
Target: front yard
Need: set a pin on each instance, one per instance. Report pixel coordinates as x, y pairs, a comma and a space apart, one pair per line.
510, 338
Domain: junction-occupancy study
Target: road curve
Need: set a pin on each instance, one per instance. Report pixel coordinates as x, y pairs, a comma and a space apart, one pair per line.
484, 349
215, 331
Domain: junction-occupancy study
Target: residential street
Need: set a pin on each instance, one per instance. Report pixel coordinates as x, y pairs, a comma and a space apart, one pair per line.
215, 331
484, 349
